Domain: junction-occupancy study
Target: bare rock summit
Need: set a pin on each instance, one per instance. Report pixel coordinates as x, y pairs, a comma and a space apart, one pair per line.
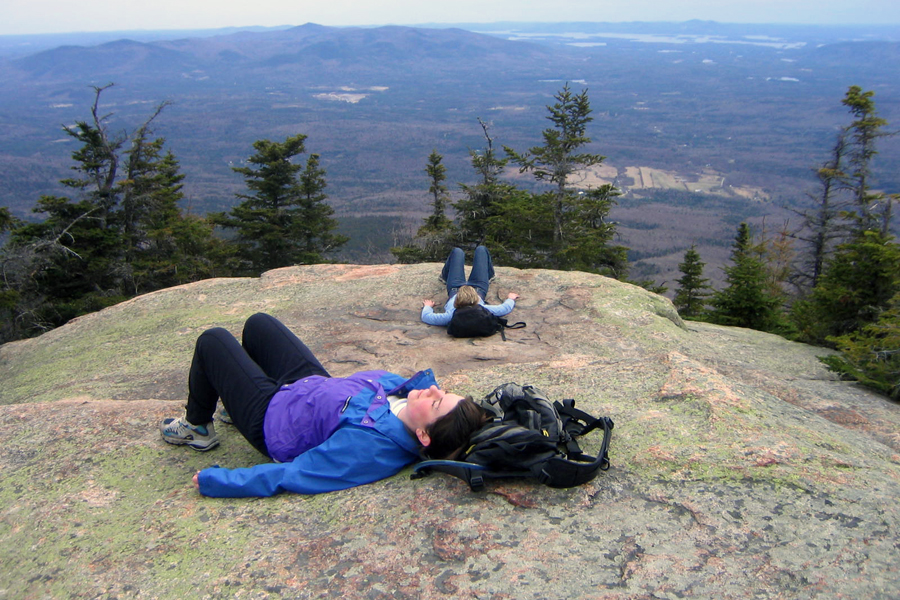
741, 468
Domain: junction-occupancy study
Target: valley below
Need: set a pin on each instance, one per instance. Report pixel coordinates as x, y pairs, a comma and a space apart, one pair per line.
704, 125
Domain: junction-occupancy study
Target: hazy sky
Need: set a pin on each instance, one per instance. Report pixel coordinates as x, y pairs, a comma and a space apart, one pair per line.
59, 16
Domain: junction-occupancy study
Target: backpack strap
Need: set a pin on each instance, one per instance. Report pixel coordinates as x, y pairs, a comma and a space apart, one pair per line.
576, 421
469, 472
504, 326
561, 472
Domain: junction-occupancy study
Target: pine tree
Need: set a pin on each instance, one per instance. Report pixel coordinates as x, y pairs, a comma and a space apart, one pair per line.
690, 297
285, 219
856, 286
872, 354
93, 247
435, 238
482, 202
581, 235
747, 300
873, 209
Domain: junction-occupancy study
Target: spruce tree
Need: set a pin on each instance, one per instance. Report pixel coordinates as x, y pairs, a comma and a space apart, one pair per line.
861, 274
692, 293
284, 220
559, 157
872, 354
482, 201
434, 239
167, 247
314, 230
97, 245
581, 234
856, 286
823, 225
873, 209
746, 301
437, 221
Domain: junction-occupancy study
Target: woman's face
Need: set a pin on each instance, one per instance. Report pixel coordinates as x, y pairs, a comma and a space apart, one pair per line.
424, 407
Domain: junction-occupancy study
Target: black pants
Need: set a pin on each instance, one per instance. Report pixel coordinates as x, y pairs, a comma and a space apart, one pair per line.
246, 376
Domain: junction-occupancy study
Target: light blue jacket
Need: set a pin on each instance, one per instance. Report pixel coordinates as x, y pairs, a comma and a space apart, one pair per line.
443, 319
331, 433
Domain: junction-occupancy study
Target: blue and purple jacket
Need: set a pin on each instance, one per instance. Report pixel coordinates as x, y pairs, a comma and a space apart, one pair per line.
328, 433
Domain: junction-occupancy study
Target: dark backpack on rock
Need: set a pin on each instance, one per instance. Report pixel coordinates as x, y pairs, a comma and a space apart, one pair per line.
528, 436
477, 321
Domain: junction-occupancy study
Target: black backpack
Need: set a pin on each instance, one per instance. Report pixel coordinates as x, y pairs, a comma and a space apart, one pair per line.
528, 436
477, 321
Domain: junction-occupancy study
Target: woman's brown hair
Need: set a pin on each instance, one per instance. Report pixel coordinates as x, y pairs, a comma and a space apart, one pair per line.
451, 433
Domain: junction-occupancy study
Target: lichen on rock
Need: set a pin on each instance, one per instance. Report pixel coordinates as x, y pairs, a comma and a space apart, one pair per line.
740, 466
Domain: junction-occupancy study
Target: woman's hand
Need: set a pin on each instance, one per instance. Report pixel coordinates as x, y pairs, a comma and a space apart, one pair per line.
196, 480
513, 296
428, 303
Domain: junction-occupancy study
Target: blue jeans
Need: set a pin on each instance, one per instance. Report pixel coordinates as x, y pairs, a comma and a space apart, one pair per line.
480, 277
246, 375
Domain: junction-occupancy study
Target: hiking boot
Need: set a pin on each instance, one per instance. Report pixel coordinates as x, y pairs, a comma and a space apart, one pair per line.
180, 432
223, 416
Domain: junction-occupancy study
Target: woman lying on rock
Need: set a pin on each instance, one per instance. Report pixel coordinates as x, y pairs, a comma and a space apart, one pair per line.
324, 433
462, 292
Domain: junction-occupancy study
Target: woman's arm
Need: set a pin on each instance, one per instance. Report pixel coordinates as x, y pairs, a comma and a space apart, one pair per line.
352, 456
433, 318
507, 307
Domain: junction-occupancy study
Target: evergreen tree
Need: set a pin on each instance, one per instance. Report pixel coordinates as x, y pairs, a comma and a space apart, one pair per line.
519, 230
690, 297
558, 158
437, 174
588, 244
75, 259
872, 354
435, 238
581, 235
746, 301
7, 221
856, 286
314, 229
92, 249
863, 273
872, 209
823, 226
284, 220
481, 202
166, 247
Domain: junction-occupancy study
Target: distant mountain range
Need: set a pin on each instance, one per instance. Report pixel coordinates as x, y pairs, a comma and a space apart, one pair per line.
754, 106
313, 50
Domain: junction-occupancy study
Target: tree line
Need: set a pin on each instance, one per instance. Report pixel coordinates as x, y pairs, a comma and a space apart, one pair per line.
554, 226
120, 232
832, 281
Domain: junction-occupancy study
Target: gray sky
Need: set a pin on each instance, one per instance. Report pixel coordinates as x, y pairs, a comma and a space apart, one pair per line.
62, 16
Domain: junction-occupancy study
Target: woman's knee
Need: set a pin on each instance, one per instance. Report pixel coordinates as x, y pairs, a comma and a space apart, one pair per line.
259, 320
260, 325
213, 335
